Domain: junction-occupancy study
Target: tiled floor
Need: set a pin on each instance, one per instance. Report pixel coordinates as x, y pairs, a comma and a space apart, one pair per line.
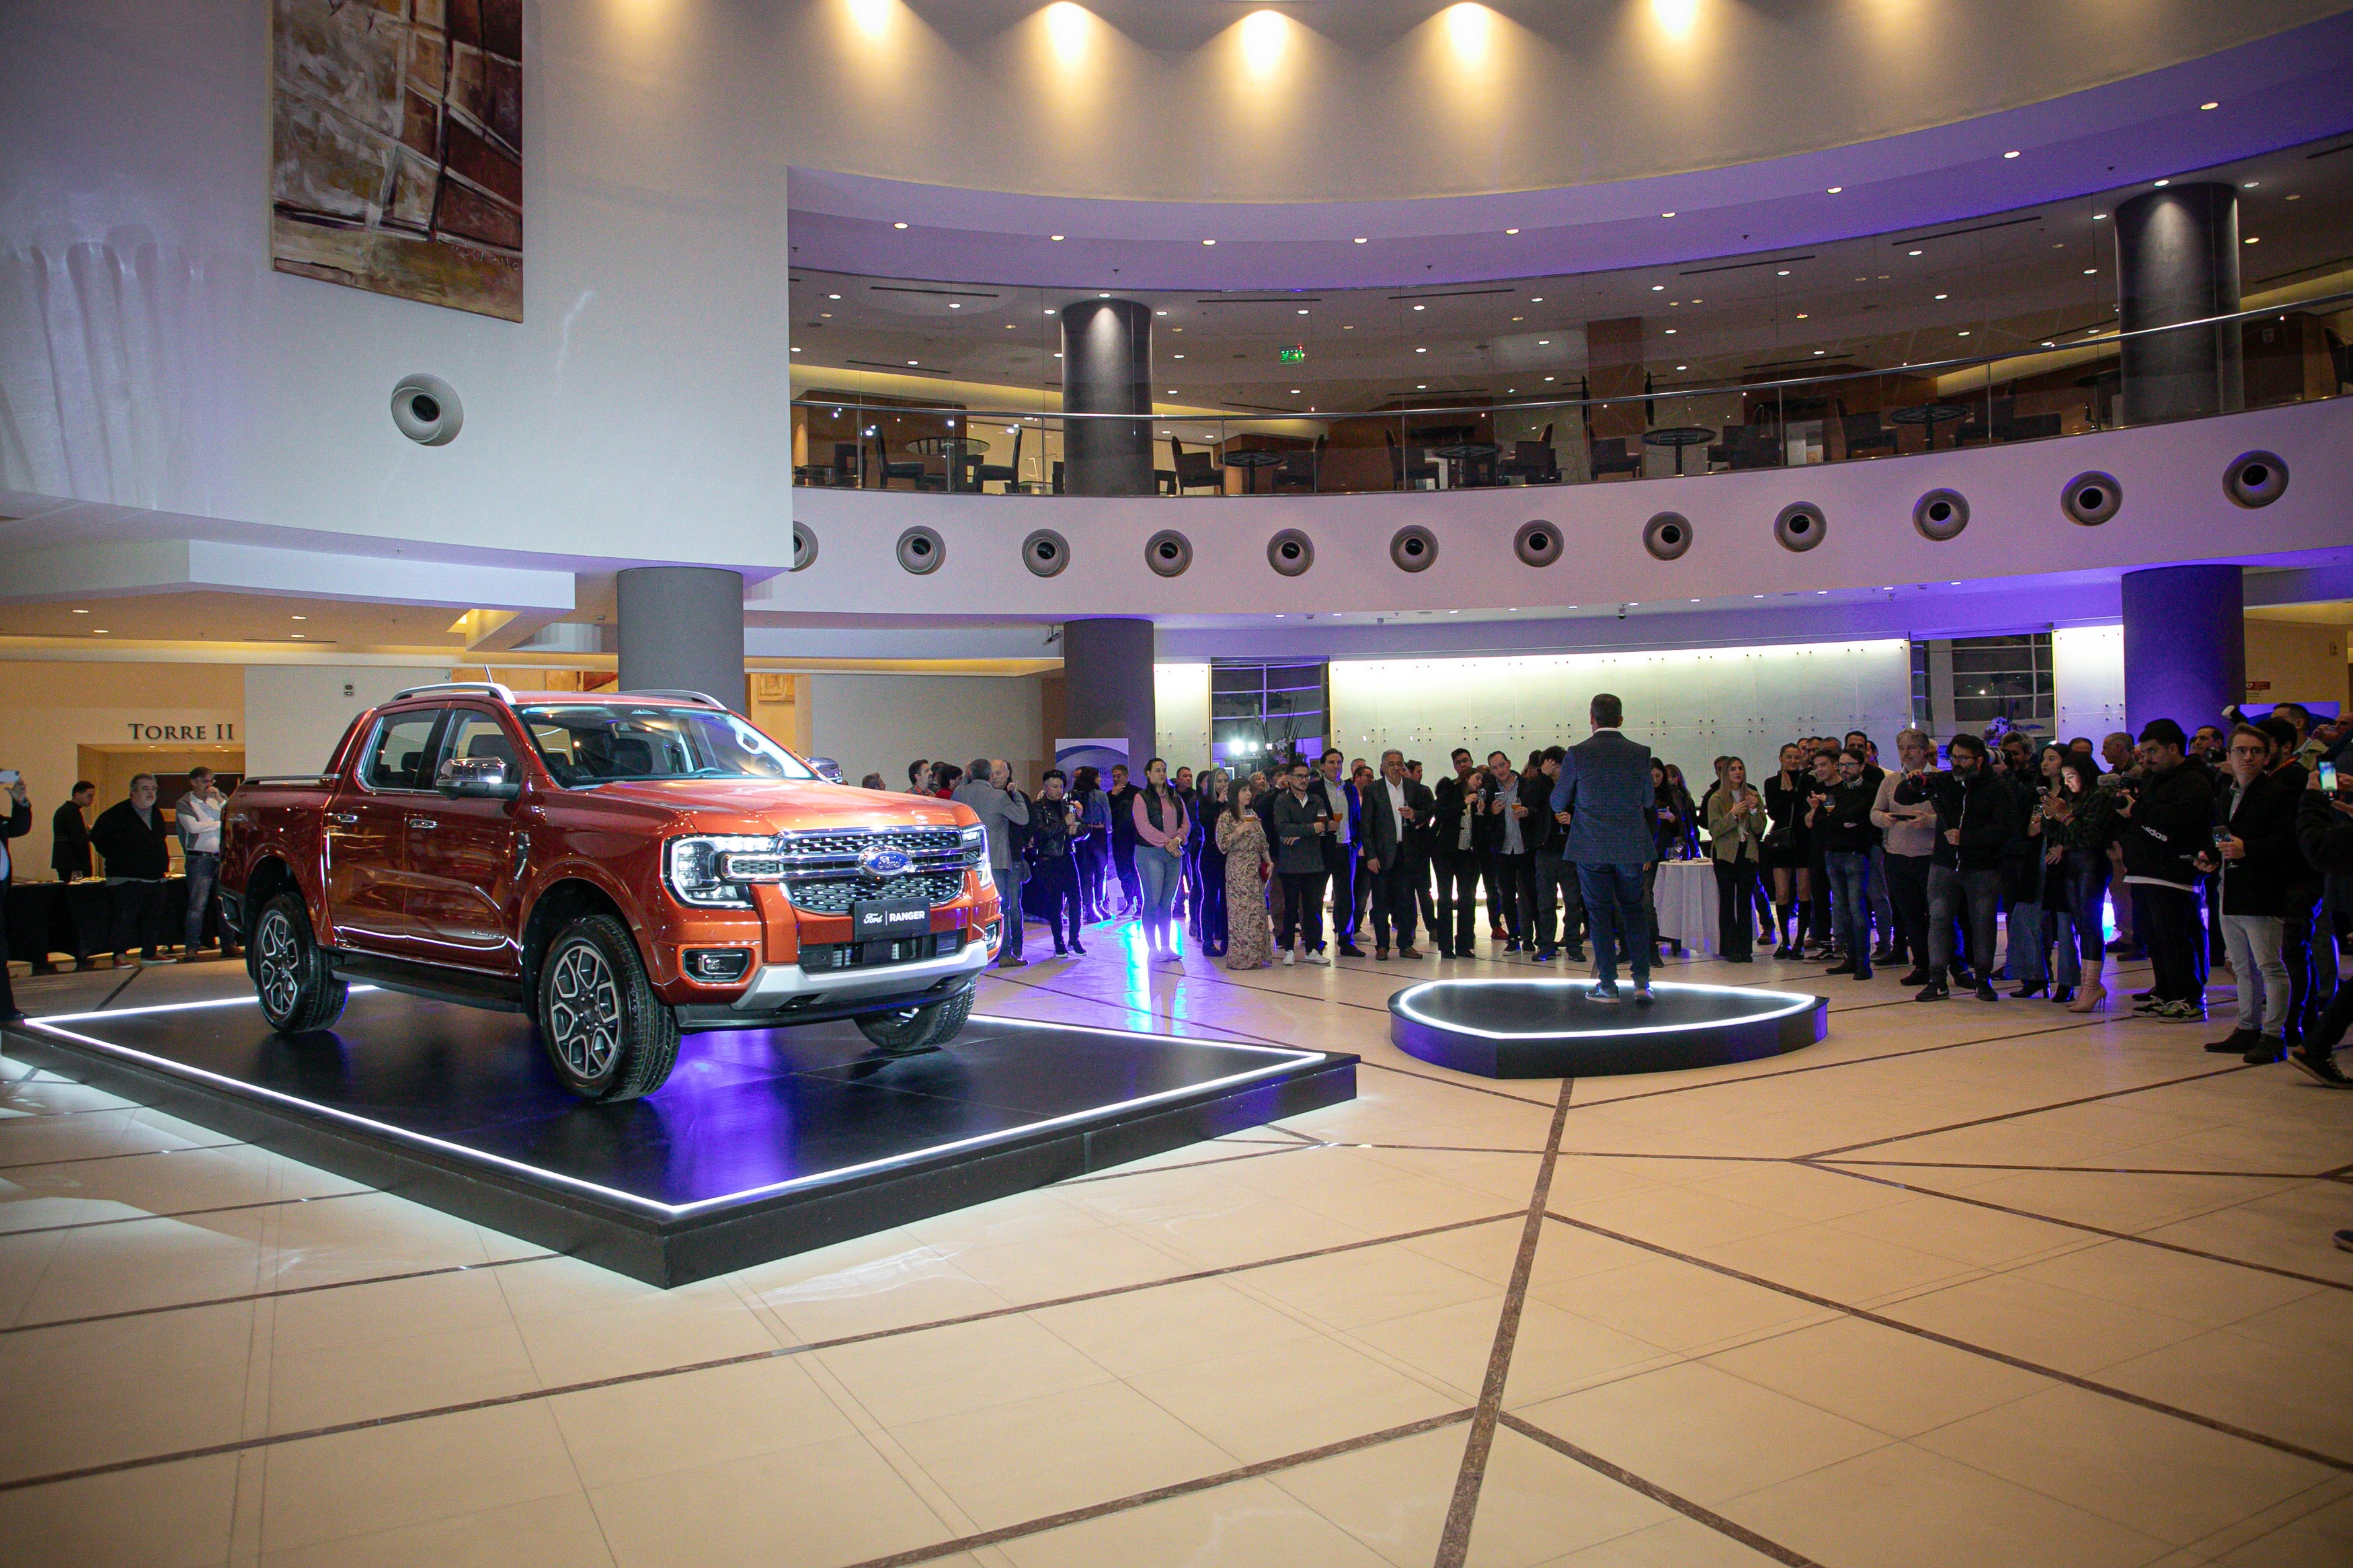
1962, 1285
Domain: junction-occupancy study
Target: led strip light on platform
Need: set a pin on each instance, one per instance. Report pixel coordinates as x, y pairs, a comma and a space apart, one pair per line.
651, 1206
1403, 1002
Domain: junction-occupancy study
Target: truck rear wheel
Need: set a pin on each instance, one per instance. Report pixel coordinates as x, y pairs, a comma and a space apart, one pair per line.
910, 1030
296, 985
607, 1035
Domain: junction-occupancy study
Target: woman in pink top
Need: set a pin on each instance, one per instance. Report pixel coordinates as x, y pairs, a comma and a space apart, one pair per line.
1161, 826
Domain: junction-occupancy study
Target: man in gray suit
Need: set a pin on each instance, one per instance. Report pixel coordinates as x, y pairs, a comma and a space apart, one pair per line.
1604, 795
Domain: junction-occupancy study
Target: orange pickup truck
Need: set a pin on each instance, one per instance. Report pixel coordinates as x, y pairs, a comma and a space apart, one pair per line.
622, 867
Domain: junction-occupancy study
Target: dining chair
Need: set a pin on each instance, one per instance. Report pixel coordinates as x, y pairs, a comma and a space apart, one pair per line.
1008, 474
1195, 471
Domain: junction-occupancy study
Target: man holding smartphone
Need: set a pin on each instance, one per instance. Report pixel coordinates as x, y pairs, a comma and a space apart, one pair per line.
2254, 855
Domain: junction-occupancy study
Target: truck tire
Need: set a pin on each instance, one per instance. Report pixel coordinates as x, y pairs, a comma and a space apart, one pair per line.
909, 1031
291, 972
607, 1035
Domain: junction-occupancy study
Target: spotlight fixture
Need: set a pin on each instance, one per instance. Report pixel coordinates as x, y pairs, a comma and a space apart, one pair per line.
1657, 288
2009, 154
1302, 310
1359, 239
81, 612
1421, 307
2160, 185
954, 305
1209, 242
898, 225
1511, 231
1054, 237
1836, 189
2254, 239
833, 296
1943, 296
1160, 312
2210, 106
1912, 253
1783, 273
1666, 215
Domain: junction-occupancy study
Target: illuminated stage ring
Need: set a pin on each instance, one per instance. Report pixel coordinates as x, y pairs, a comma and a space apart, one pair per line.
1551, 1029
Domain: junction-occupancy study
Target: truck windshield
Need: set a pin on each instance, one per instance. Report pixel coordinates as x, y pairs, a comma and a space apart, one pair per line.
590, 744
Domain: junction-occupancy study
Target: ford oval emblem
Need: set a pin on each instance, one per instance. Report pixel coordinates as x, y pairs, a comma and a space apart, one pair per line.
883, 862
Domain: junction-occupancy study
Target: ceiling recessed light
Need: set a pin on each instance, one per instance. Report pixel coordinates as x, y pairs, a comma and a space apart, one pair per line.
1542, 342
2009, 154
1422, 387
1160, 312
99, 632
1912, 253
81, 612
833, 296
1801, 316
1172, 392
824, 315
2091, 271
898, 225
1548, 378
2160, 184
2296, 196
2254, 239
1819, 352
1180, 356
1943, 296
1666, 215
1670, 332
1421, 350
299, 617
1209, 242
796, 348
1682, 367
300, 637
910, 362
1359, 239
1294, 392
1105, 295
1053, 237
2210, 106
1965, 331
955, 305
1008, 326
1657, 288
1783, 273
1511, 231
1535, 299
2251, 185
1519, 318
1836, 189
1421, 307
1302, 310
2097, 216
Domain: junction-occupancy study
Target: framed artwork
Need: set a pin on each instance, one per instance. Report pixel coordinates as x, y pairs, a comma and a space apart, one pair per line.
397, 148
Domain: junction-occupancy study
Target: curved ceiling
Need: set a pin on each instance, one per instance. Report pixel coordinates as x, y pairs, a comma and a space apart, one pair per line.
2275, 91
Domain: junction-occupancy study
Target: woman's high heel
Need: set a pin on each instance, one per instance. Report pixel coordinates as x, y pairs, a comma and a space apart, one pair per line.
2064, 994
2091, 998
2025, 992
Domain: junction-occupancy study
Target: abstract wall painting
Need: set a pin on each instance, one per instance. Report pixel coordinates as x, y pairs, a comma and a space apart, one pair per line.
397, 148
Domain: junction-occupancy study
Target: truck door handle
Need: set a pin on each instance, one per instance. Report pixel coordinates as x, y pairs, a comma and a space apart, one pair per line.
423, 824
346, 817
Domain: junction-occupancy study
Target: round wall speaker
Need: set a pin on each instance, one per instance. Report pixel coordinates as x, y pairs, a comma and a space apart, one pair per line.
920, 550
427, 409
1412, 549
1537, 544
2255, 479
1290, 553
2092, 499
1941, 515
1800, 526
1168, 552
804, 546
1045, 552
1667, 535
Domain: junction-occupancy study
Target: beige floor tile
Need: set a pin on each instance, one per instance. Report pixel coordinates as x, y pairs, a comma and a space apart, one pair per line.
630, 1431
2159, 1475
2042, 1323
169, 1516
1284, 1399
2284, 1229
1678, 1218
1039, 1457
1391, 1497
2321, 1323
361, 1238
2323, 1536
1534, 1503
648, 1336
1680, 1306
1368, 1285
123, 1268
2197, 1290
28, 1141
1893, 1381
1677, 1543
1835, 1264
1981, 1237
829, 1503
393, 1308
1901, 1506
844, 1296
1702, 1433
92, 1393
944, 1372
390, 1478
558, 1532
1172, 1325
361, 1382
2280, 1392
1242, 1522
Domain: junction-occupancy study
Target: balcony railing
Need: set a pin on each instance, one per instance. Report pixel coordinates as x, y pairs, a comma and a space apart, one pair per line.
2102, 381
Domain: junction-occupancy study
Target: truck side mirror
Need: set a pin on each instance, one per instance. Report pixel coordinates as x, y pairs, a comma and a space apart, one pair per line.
476, 778
827, 769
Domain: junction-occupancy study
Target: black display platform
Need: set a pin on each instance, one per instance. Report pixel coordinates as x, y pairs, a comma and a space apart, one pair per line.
1553, 1028
761, 1145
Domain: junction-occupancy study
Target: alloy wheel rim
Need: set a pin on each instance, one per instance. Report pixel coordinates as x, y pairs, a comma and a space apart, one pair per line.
274, 957
583, 1013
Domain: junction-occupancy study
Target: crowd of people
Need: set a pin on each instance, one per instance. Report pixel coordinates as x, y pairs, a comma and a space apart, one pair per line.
2000, 861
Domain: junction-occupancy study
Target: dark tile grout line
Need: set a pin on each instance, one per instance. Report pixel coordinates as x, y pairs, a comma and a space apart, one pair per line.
1454, 1538
2280, 1444
1162, 1494
39, 1116
136, 971
187, 1213
2084, 1170
2082, 1225
1762, 1545
526, 1396
126, 1154
272, 1295
1185, 1165
2035, 1111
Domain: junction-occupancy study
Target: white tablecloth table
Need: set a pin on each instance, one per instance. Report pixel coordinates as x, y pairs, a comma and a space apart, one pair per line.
1685, 896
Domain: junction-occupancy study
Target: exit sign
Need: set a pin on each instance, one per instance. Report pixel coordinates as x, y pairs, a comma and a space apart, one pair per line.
1295, 353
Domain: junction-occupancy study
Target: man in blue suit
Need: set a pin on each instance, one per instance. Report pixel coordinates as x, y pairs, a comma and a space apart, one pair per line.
1604, 795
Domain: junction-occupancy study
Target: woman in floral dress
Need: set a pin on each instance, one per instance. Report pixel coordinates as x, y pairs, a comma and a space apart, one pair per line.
1249, 942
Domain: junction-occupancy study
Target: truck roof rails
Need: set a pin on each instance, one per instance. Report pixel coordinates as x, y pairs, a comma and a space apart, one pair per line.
704, 697
503, 693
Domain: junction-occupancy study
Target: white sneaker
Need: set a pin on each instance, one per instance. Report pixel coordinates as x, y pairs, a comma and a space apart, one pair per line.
1320, 956
1290, 958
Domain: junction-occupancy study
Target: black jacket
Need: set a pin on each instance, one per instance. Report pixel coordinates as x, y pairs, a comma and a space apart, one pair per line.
1843, 823
132, 848
2172, 820
1123, 813
1538, 831
2324, 834
19, 823
2265, 820
69, 841
1985, 810
1380, 828
1051, 829
1446, 814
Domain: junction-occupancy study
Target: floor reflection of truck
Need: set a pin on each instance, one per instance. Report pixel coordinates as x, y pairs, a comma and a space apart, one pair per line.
622, 867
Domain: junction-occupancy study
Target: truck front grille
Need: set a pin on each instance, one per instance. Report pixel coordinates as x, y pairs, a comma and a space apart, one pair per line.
834, 895
822, 957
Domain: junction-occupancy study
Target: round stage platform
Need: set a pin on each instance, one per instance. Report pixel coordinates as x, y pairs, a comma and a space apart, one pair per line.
1554, 1028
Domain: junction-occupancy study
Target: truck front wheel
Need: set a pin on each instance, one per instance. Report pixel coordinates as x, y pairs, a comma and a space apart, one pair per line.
298, 987
910, 1030
608, 1037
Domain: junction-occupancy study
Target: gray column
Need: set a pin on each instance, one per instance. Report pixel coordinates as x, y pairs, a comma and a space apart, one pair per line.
2177, 260
2185, 645
681, 629
1107, 369
1107, 684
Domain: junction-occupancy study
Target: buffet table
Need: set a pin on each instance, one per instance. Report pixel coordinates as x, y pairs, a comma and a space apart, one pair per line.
1685, 896
77, 918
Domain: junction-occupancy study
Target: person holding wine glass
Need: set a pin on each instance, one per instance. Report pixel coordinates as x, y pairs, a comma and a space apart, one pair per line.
1736, 823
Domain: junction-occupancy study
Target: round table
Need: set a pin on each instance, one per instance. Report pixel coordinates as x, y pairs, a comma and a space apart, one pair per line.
1250, 460
1679, 437
1465, 452
962, 452
1930, 415
1684, 893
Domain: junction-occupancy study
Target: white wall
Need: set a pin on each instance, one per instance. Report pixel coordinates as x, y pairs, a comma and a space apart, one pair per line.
1180, 700
150, 357
1688, 707
2087, 676
294, 713
880, 723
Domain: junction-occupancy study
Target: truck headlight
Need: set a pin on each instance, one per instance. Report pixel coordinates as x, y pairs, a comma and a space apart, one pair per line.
700, 873
974, 842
